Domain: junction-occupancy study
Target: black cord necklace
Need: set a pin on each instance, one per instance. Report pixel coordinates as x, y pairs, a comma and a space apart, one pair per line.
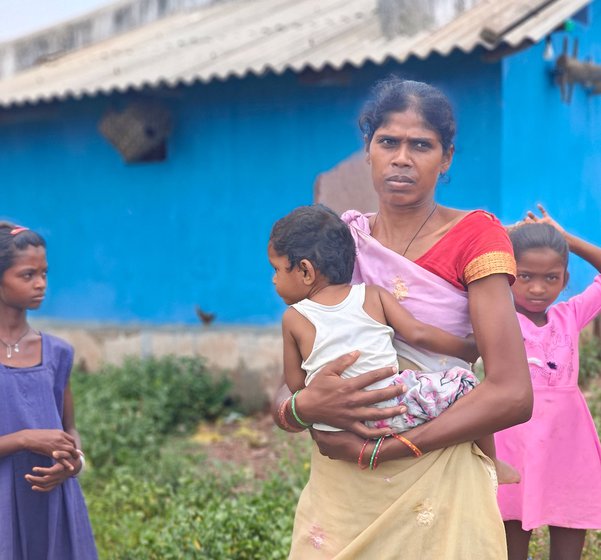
416, 233
15, 345
420, 228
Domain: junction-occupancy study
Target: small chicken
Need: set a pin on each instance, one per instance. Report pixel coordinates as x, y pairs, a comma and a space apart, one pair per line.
204, 317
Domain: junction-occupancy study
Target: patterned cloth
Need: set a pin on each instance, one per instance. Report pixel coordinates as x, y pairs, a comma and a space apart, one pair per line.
39, 525
428, 395
557, 452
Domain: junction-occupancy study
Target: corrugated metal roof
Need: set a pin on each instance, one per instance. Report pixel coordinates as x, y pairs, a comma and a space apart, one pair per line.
232, 39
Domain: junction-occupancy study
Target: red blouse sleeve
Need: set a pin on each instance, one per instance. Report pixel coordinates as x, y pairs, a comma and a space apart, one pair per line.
474, 248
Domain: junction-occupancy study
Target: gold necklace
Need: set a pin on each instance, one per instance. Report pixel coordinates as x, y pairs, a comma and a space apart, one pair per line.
15, 345
416, 233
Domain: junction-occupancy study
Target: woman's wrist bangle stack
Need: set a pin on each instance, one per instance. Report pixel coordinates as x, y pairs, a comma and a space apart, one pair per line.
414, 449
294, 413
373, 460
283, 422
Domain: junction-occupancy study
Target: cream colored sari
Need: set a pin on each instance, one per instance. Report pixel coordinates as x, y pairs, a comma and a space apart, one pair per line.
441, 506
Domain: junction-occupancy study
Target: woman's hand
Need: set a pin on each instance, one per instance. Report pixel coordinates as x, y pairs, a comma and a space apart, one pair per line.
343, 403
46, 479
51, 442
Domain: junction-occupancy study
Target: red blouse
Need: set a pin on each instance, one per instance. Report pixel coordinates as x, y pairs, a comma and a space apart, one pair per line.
475, 247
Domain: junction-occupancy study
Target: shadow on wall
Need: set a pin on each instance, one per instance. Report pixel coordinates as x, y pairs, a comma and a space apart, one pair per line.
347, 186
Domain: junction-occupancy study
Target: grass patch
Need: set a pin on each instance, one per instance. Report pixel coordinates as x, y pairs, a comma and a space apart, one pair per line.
156, 492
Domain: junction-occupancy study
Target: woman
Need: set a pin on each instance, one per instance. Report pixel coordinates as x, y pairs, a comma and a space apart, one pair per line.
434, 497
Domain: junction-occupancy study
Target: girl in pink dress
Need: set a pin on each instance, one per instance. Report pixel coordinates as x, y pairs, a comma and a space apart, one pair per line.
557, 452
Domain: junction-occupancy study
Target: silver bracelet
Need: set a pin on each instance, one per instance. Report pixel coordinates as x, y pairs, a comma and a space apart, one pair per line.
82, 460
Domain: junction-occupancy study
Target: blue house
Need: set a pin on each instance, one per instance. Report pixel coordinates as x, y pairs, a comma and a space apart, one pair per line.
156, 161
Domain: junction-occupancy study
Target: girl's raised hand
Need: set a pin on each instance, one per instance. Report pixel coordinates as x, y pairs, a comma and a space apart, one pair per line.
545, 218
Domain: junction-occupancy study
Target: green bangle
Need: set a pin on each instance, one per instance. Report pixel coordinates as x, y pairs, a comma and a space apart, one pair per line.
293, 406
372, 464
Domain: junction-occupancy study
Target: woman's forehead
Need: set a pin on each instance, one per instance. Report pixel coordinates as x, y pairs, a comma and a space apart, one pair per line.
410, 119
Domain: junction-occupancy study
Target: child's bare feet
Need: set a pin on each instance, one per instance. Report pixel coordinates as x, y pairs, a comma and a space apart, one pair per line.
506, 474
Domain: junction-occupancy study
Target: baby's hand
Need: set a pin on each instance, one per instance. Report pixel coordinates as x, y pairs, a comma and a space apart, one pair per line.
545, 219
472, 354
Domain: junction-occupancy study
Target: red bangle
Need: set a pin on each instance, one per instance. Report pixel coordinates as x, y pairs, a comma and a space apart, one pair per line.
284, 424
416, 451
361, 456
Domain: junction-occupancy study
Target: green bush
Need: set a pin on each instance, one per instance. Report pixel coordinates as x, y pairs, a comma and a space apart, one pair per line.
590, 360
124, 413
187, 507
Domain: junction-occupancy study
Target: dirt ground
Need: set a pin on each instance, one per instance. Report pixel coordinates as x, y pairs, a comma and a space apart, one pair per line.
253, 443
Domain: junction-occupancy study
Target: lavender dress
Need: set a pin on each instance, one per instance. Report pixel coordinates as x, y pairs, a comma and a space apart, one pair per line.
39, 525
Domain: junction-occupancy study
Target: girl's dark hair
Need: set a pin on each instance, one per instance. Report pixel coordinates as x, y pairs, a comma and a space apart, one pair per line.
538, 236
11, 243
394, 95
317, 234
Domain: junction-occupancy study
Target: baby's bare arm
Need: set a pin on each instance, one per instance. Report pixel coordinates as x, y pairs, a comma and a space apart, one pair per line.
294, 374
423, 335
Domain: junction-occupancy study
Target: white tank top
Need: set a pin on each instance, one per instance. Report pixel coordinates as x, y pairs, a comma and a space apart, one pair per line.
345, 327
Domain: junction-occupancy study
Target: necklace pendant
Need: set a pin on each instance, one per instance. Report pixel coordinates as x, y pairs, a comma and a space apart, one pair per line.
9, 352
16, 347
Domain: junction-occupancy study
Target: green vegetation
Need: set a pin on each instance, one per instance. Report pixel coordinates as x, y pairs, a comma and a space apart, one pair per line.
128, 412
154, 493
590, 360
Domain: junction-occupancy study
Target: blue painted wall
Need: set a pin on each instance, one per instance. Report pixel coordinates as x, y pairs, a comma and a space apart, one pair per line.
147, 242
551, 151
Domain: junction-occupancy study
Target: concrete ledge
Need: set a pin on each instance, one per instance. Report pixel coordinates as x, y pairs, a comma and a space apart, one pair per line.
251, 357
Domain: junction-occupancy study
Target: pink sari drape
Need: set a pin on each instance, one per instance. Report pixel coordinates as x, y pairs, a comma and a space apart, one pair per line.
428, 297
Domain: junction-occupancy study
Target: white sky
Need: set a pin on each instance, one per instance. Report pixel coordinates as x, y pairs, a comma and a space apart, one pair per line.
19, 17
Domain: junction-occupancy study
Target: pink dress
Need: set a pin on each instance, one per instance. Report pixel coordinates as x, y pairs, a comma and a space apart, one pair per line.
557, 452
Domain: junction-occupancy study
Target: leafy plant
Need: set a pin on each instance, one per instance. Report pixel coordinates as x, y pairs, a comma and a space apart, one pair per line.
590, 360
127, 411
186, 508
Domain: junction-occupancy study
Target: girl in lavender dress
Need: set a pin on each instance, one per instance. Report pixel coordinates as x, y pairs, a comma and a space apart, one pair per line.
43, 515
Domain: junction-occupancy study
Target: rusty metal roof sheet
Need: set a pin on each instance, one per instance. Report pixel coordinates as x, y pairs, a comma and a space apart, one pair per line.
238, 37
